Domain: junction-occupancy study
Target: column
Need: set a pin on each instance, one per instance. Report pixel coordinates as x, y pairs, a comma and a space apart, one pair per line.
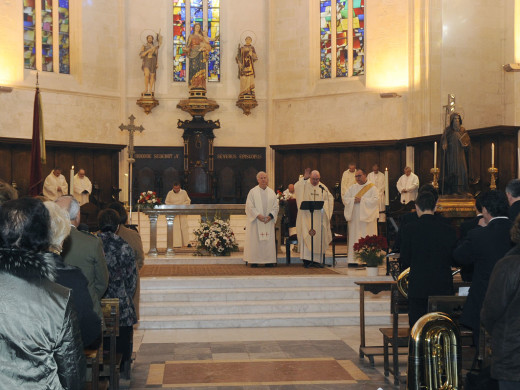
153, 234
169, 235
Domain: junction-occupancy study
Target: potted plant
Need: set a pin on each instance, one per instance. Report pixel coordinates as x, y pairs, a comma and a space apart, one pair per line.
215, 238
371, 250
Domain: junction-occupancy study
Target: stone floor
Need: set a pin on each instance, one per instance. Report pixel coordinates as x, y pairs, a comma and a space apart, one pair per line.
256, 359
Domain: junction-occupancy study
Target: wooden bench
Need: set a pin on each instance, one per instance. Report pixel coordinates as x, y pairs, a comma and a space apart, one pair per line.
110, 307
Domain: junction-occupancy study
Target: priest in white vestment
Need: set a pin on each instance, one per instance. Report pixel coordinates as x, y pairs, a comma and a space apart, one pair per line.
261, 212
82, 187
408, 186
361, 211
178, 196
378, 178
289, 192
309, 188
55, 185
348, 178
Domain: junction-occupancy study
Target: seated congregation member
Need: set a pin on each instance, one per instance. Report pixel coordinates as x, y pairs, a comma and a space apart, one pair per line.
40, 340
7, 192
134, 240
261, 212
483, 247
513, 197
427, 246
178, 196
72, 277
500, 316
122, 269
85, 251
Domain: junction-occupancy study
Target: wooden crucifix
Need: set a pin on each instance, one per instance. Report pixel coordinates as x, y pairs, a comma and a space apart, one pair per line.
131, 128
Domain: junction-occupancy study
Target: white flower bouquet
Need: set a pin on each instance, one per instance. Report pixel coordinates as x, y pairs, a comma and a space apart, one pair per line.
148, 199
215, 237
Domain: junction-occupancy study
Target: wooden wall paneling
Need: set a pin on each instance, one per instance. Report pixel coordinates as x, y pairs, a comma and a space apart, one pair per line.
475, 162
367, 158
424, 162
102, 174
485, 161
347, 156
50, 162
292, 167
329, 168
65, 160
5, 165
310, 159
279, 170
115, 174
390, 158
20, 168
506, 159
83, 160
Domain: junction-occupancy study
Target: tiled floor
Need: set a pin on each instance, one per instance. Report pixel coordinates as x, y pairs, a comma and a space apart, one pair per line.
256, 358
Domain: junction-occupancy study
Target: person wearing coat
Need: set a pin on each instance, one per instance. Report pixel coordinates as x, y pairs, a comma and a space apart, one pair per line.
483, 247
40, 340
500, 316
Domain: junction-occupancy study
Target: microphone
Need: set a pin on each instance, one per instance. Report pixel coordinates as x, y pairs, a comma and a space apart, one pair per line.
322, 188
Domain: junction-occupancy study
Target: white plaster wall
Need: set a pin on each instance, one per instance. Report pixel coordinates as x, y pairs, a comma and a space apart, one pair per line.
473, 52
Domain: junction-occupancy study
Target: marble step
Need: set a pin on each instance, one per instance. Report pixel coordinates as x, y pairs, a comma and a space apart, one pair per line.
261, 320
177, 283
258, 307
251, 294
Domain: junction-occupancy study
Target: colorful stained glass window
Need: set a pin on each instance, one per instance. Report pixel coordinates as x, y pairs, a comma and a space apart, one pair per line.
29, 38
47, 35
342, 38
325, 39
358, 37
214, 40
179, 40
346, 35
187, 13
64, 36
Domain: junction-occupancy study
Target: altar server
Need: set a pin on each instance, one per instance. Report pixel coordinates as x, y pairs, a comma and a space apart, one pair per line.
378, 178
408, 185
309, 188
82, 187
261, 213
55, 185
348, 178
361, 211
178, 196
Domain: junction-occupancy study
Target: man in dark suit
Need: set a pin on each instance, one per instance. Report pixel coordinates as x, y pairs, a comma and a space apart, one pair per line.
427, 246
466, 271
513, 197
483, 247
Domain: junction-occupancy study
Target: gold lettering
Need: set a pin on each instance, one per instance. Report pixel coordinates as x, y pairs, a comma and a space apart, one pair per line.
163, 155
142, 155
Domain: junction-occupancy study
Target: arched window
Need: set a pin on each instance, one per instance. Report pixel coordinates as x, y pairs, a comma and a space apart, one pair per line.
342, 43
187, 13
46, 38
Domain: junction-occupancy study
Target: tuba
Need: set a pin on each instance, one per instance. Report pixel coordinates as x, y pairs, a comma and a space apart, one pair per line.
434, 359
402, 280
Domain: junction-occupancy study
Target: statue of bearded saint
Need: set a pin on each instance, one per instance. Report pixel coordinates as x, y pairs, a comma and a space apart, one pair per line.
456, 162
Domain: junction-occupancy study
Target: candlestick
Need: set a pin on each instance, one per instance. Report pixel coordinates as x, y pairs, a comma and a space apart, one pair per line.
387, 191
492, 155
71, 187
435, 181
492, 182
435, 154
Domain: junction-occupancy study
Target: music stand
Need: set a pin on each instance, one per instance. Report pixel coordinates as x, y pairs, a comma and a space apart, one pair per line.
312, 205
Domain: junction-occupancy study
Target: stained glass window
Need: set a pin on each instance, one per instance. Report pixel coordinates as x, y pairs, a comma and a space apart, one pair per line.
64, 36
29, 50
214, 40
325, 39
179, 40
346, 35
46, 35
188, 13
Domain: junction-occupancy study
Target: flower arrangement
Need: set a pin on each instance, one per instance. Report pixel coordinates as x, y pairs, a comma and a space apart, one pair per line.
370, 250
215, 237
280, 196
148, 199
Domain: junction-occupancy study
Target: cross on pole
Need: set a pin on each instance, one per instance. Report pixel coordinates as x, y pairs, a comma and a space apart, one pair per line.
131, 128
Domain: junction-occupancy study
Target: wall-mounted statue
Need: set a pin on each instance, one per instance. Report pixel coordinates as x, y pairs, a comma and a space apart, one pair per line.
245, 59
149, 54
197, 50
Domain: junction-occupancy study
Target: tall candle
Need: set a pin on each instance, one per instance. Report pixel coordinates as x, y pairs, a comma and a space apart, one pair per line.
435, 154
125, 188
493, 155
71, 192
387, 191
